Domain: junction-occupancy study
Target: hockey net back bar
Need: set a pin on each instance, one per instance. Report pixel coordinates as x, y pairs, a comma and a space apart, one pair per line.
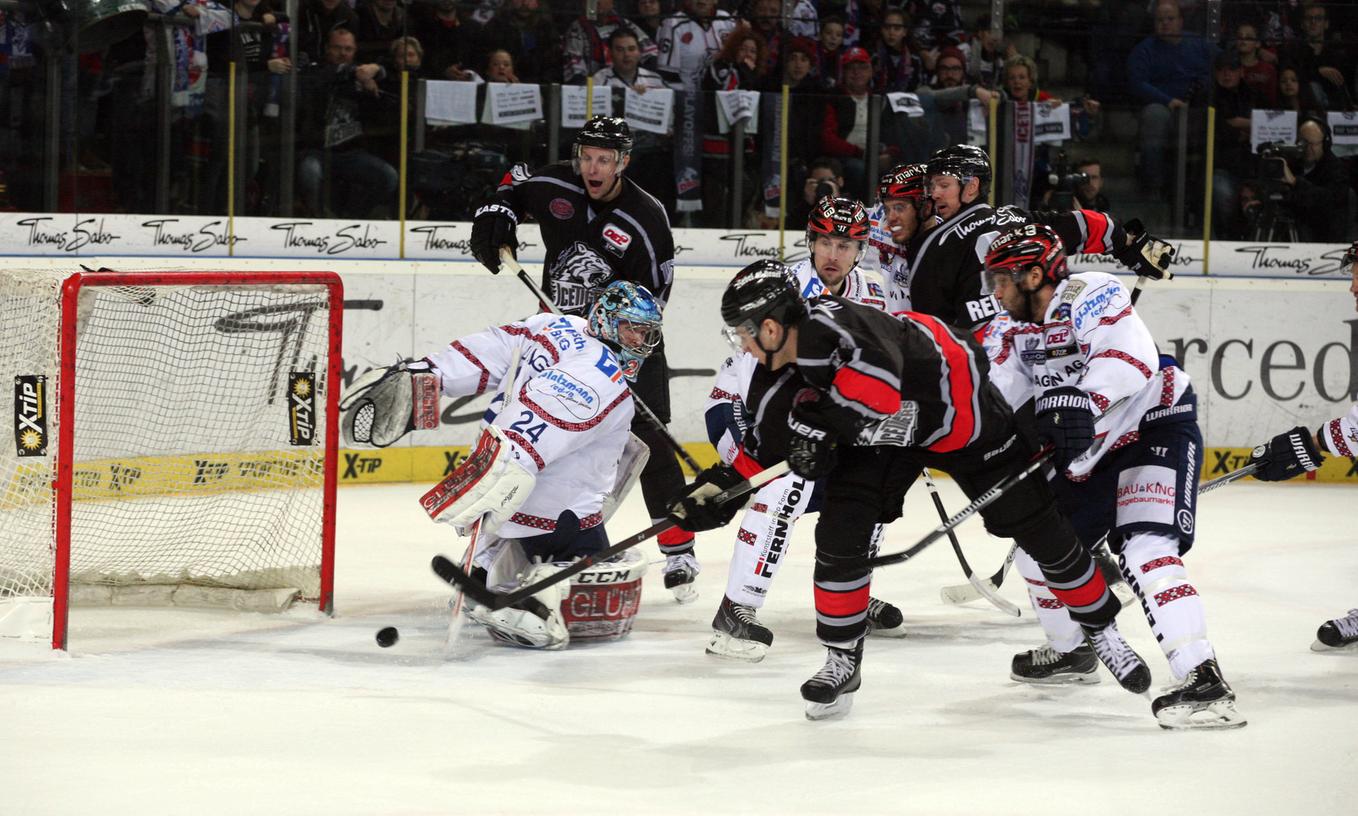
174, 441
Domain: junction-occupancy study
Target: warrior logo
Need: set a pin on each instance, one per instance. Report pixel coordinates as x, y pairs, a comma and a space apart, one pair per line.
577, 276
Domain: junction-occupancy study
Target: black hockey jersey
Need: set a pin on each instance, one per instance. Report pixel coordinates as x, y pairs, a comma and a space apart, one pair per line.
945, 272
870, 366
588, 244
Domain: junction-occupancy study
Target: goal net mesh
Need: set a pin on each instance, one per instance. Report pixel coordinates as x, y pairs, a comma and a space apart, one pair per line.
198, 453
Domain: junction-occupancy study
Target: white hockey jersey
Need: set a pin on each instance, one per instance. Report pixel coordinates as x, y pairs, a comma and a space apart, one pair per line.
858, 286
1090, 339
566, 414
1340, 436
686, 45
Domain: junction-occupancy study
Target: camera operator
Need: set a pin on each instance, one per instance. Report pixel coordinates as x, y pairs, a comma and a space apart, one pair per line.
1312, 184
1076, 187
824, 177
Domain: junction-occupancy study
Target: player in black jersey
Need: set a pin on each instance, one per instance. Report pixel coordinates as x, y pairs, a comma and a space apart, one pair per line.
946, 269
851, 395
598, 226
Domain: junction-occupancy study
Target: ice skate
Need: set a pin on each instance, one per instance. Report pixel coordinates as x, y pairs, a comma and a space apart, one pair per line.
680, 573
1046, 666
1203, 700
1112, 575
1340, 634
884, 619
1126, 665
737, 633
829, 693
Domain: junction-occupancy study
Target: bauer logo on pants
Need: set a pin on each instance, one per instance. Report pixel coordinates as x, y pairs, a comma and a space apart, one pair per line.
302, 407
30, 414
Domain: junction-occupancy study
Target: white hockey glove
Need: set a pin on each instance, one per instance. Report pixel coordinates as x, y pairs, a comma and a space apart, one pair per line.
489, 482
387, 403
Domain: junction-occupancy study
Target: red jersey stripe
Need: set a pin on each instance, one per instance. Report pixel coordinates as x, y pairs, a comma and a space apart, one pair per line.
842, 604
867, 390
961, 387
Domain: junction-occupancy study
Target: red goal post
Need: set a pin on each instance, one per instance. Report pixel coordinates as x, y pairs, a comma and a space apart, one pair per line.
191, 456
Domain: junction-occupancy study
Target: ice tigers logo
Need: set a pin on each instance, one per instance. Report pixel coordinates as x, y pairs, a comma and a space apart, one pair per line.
577, 276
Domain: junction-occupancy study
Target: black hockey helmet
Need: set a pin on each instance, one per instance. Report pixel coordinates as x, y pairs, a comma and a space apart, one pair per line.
1350, 255
764, 290
962, 162
1022, 248
842, 217
905, 181
611, 132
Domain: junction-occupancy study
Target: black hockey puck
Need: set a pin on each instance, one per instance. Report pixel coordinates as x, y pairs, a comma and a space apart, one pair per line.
387, 636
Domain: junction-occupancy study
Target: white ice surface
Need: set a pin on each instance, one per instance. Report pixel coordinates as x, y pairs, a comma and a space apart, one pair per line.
167, 711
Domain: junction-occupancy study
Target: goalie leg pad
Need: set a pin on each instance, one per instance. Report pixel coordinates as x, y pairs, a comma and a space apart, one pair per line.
487, 483
539, 625
604, 598
387, 403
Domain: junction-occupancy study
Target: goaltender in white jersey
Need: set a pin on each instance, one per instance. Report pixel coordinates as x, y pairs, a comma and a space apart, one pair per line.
554, 454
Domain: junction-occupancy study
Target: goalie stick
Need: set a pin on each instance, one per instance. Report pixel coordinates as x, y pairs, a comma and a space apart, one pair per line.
508, 260
966, 593
444, 567
972, 590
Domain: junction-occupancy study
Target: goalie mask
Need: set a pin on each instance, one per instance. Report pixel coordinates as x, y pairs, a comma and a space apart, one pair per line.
626, 317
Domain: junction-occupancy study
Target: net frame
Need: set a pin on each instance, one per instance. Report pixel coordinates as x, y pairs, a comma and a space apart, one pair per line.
65, 460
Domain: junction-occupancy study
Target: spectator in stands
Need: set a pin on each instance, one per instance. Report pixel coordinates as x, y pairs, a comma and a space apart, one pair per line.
500, 67
1321, 60
844, 125
765, 18
1320, 187
738, 66
1234, 161
585, 45
985, 54
825, 176
830, 49
896, 67
1163, 71
624, 69
448, 40
1257, 73
526, 30
689, 39
648, 18
1295, 95
335, 99
805, 20
1020, 81
651, 166
938, 24
379, 22
950, 70
1089, 193
318, 19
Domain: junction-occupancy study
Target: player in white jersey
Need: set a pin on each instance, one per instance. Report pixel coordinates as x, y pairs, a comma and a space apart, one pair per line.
836, 234
552, 440
1297, 451
1122, 422
902, 215
688, 40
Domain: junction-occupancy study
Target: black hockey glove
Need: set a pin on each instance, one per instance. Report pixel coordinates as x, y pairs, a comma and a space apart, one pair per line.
493, 227
811, 451
1145, 255
1288, 454
1066, 422
695, 511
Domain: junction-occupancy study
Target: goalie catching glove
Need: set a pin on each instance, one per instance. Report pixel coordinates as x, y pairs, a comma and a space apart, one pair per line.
695, 511
488, 483
1146, 255
387, 403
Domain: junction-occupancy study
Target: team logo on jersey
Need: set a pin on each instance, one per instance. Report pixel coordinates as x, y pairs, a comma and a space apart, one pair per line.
1058, 337
1032, 352
302, 407
572, 395
686, 37
577, 275
616, 239
562, 209
30, 414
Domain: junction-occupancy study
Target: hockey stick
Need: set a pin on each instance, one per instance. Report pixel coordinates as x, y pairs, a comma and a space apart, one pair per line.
1000, 603
451, 646
965, 593
508, 260
983, 501
450, 572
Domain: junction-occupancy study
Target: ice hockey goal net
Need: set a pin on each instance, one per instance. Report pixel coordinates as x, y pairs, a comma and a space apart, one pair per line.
174, 439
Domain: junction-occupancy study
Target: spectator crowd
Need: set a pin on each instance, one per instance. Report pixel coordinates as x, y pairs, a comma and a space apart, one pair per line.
1156, 61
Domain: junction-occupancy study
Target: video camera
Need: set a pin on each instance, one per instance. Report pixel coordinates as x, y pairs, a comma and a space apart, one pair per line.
1060, 177
1274, 156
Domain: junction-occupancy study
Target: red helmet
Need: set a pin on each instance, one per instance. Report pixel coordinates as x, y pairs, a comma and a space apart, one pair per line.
1022, 248
841, 217
905, 181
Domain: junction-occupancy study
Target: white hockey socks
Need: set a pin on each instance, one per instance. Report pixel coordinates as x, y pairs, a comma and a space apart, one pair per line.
763, 538
1151, 564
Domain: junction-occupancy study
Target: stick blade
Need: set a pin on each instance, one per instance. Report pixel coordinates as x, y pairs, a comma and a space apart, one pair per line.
453, 575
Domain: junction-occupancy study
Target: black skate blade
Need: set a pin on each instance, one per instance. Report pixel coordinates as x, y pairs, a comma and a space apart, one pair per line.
829, 711
1324, 648
1062, 679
